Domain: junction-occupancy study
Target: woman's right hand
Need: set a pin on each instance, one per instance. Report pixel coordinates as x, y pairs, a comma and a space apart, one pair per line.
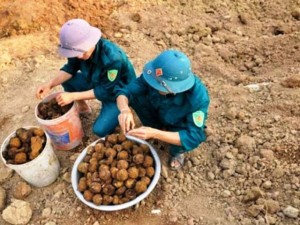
126, 120
43, 90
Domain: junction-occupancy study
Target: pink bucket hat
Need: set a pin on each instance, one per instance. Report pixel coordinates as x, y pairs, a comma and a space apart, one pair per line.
76, 37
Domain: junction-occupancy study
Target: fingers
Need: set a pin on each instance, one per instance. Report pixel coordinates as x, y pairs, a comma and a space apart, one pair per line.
60, 100
126, 122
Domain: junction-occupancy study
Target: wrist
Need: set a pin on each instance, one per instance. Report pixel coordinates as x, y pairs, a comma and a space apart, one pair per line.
125, 110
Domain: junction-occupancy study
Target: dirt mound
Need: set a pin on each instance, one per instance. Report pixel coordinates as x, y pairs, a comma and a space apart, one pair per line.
23, 17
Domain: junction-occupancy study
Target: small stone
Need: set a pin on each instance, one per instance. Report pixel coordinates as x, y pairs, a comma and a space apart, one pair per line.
164, 171
278, 172
226, 193
22, 190
195, 161
96, 223
291, 212
136, 17
231, 113
5, 173
227, 164
272, 220
50, 223
67, 177
46, 212
229, 155
272, 206
253, 194
210, 175
25, 108
19, 212
254, 210
243, 18
245, 144
268, 154
180, 175
267, 185
296, 13
2, 198
118, 35
74, 156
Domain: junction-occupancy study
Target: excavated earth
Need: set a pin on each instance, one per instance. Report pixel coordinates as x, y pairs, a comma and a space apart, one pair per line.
246, 52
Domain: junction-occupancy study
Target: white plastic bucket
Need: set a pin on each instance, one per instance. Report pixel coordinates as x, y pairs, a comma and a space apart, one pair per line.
41, 171
66, 131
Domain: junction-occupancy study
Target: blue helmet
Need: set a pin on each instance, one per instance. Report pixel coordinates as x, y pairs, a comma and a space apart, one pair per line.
169, 72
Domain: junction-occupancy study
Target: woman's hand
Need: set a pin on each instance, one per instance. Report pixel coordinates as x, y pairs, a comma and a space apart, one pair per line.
126, 120
143, 132
43, 90
65, 98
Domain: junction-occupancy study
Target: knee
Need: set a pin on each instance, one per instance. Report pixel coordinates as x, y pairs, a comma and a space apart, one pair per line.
99, 131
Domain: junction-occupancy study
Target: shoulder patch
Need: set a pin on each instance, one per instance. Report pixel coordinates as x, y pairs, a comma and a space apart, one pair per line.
198, 118
112, 74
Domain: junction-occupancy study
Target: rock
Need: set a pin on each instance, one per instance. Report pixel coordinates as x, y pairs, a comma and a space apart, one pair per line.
118, 35
180, 175
226, 194
271, 220
74, 156
246, 221
245, 144
46, 212
19, 212
296, 13
195, 161
291, 212
267, 185
252, 195
254, 210
228, 164
272, 206
96, 223
5, 173
22, 190
249, 65
268, 154
67, 177
50, 223
136, 17
243, 18
164, 171
228, 173
25, 108
2, 198
231, 113
278, 172
210, 175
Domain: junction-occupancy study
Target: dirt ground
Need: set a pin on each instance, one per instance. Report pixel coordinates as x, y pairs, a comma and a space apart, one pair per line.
246, 52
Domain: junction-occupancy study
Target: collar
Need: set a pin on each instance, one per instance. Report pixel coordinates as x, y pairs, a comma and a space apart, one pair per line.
96, 52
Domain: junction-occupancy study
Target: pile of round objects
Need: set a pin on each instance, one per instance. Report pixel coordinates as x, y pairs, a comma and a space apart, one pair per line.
51, 110
25, 146
115, 171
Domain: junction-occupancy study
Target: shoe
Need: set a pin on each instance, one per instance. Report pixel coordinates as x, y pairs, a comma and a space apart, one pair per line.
176, 162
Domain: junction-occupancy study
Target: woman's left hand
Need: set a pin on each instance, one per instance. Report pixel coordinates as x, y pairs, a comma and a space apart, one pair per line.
65, 98
142, 132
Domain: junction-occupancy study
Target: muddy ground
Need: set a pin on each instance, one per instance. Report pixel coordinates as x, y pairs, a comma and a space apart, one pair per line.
246, 52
